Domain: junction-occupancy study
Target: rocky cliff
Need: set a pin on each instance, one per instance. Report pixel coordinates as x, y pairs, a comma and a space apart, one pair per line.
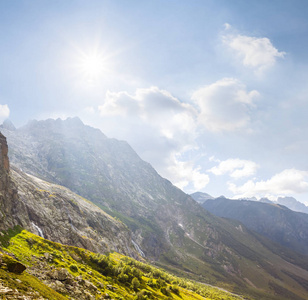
9, 201
56, 213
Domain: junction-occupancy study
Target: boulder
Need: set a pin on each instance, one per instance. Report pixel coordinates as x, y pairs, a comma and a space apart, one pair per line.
16, 267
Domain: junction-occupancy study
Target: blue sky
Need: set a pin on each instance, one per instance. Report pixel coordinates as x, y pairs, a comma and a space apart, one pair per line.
212, 93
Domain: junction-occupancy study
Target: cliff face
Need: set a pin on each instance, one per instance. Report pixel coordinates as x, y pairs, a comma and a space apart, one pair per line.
56, 213
9, 204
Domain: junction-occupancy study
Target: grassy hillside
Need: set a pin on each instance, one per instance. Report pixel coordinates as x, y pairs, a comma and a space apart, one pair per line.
55, 271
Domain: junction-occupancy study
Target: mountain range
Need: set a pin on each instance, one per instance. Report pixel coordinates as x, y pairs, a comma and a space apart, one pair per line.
134, 211
274, 221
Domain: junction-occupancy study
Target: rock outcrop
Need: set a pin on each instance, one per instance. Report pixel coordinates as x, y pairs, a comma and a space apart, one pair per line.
9, 204
58, 214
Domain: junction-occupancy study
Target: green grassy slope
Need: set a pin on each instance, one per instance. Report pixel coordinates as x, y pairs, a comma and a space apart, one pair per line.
56, 271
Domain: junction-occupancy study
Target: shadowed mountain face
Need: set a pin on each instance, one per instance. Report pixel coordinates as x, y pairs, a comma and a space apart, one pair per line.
168, 225
277, 222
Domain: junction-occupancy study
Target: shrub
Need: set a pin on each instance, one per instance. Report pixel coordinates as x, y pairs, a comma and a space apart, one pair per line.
143, 295
165, 291
123, 277
175, 290
135, 284
73, 268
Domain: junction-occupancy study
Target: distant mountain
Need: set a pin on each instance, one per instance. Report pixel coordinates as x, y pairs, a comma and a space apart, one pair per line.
293, 204
266, 200
249, 199
7, 124
274, 221
201, 197
167, 225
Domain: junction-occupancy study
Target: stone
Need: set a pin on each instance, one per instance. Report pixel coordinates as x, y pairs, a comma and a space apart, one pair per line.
88, 296
63, 274
16, 267
89, 285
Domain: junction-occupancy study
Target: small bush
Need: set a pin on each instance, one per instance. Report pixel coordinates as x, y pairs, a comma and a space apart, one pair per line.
135, 284
73, 268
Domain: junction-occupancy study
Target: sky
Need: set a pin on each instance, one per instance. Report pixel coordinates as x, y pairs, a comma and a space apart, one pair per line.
212, 93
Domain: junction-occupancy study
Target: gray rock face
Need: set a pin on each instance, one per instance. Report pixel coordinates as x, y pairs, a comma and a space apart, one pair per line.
9, 204
56, 213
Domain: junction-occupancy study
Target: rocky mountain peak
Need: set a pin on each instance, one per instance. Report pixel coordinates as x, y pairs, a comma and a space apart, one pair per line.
7, 124
293, 204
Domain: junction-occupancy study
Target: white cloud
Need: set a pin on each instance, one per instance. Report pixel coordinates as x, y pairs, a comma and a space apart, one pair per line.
289, 181
159, 127
184, 172
236, 168
4, 112
225, 105
256, 53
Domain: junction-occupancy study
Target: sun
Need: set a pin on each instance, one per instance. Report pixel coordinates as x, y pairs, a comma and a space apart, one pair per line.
91, 66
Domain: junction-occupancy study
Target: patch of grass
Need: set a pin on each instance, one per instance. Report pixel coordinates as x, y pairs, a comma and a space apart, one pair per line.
7, 235
121, 277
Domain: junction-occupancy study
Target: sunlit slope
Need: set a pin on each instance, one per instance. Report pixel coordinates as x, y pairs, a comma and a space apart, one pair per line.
55, 271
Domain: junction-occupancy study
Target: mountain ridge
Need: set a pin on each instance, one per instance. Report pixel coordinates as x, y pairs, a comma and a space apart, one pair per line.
167, 224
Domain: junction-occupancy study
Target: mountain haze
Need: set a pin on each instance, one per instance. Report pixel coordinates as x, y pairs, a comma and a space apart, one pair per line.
168, 225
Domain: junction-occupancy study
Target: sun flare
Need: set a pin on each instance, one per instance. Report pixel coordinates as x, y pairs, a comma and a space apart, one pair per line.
92, 65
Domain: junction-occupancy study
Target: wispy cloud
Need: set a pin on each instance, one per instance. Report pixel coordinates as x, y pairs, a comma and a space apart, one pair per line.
225, 105
236, 168
288, 182
253, 52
